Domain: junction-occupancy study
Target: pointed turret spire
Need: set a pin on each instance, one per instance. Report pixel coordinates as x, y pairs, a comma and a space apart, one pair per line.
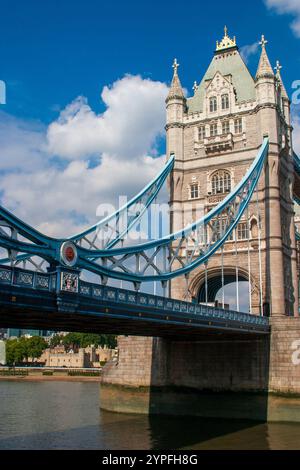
264, 66
176, 90
279, 80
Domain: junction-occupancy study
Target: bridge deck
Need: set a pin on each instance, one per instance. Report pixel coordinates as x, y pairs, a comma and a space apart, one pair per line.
32, 300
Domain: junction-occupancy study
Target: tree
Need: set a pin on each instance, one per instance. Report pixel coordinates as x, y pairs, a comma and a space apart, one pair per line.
56, 340
83, 340
72, 341
22, 348
16, 351
35, 346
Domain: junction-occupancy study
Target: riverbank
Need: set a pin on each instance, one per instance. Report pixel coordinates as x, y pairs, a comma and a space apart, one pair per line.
49, 374
49, 378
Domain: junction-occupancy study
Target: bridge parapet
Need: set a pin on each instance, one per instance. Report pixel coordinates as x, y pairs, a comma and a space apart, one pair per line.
71, 294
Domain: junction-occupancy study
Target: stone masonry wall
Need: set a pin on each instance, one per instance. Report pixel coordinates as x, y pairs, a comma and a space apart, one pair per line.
133, 367
227, 365
240, 364
285, 355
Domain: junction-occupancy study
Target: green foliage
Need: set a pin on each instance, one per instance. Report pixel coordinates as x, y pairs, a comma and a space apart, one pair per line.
22, 348
83, 373
9, 372
55, 340
83, 340
47, 372
16, 351
35, 346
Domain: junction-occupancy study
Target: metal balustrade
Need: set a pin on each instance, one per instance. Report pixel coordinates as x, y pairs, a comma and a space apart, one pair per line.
51, 282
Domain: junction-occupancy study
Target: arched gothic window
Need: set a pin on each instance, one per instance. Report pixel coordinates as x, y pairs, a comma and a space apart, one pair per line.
213, 105
221, 182
225, 101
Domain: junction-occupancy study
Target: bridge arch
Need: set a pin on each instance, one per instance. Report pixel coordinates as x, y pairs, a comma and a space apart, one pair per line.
214, 283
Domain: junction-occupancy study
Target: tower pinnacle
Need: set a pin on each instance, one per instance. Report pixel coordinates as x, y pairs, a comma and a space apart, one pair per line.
278, 68
264, 66
279, 80
176, 90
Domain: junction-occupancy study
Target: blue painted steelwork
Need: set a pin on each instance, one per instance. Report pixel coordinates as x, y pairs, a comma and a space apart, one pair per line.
132, 212
115, 302
203, 236
296, 160
48, 248
168, 257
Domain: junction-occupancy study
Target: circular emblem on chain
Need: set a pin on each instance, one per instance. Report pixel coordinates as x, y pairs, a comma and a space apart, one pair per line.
68, 253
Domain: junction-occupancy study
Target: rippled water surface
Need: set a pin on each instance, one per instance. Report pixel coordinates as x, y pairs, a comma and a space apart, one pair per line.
66, 415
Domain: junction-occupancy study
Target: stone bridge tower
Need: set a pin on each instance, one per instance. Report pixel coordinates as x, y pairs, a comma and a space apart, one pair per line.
215, 136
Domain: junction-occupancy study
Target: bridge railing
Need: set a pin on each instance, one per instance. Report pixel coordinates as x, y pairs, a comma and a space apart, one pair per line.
54, 282
26, 278
139, 299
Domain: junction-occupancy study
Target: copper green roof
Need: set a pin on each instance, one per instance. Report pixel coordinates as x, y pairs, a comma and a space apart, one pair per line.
228, 63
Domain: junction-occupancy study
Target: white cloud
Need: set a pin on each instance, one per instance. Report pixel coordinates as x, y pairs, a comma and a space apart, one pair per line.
135, 116
249, 50
46, 176
291, 7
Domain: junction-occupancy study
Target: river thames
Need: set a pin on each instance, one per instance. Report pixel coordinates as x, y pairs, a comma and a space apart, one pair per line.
66, 415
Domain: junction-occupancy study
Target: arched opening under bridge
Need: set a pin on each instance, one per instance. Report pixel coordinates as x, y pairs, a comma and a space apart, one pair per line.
232, 289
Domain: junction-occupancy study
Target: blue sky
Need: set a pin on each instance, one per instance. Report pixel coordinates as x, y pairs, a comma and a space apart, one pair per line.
53, 51
86, 84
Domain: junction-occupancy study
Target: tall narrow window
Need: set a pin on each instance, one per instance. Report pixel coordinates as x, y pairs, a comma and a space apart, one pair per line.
221, 182
194, 189
213, 105
242, 231
213, 129
238, 126
225, 101
225, 127
220, 227
201, 133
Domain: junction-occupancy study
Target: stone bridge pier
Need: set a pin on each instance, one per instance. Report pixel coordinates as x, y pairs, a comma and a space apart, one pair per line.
255, 377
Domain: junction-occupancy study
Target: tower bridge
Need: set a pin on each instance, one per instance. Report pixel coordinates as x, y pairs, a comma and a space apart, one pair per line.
230, 152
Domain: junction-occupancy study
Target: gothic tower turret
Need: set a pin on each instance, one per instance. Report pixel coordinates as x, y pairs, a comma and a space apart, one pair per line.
265, 78
175, 105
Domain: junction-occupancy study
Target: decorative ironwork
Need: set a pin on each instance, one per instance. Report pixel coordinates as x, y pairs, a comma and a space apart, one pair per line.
68, 253
69, 282
42, 282
25, 278
5, 275
85, 289
180, 252
21, 244
112, 229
